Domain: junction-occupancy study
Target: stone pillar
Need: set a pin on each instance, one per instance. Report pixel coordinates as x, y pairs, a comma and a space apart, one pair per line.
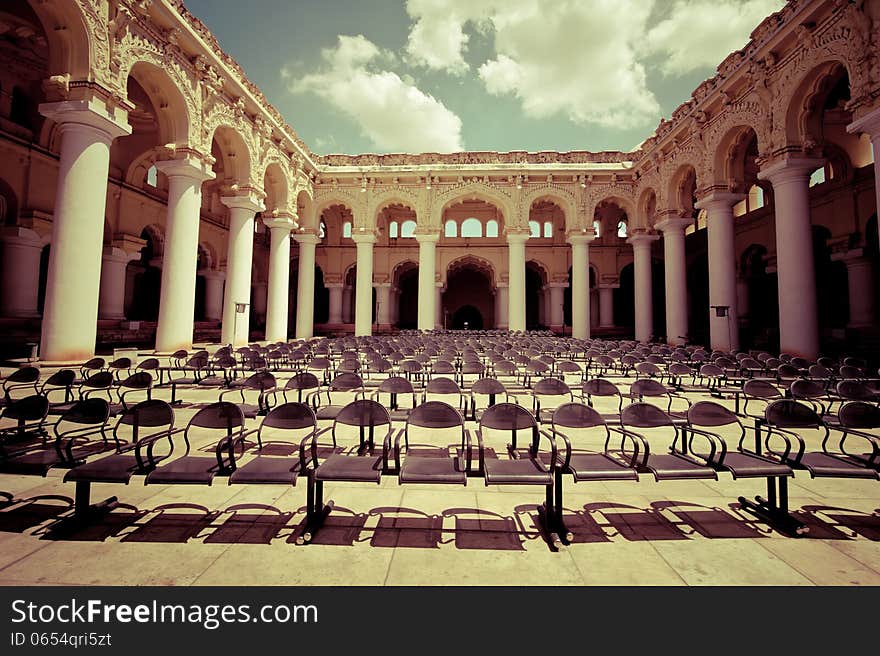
675, 270
861, 275
723, 329
334, 315
70, 313
438, 305
239, 261
557, 302
383, 303
644, 303
516, 254
305, 286
580, 284
214, 294
277, 310
428, 306
870, 125
346, 305
606, 306
177, 295
20, 268
501, 319
363, 297
111, 299
798, 312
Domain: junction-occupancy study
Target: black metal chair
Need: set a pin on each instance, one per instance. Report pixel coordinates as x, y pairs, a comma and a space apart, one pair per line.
394, 388
364, 420
138, 427
282, 440
29, 414
61, 381
491, 389
222, 423
139, 382
648, 389
429, 456
649, 423
445, 390
261, 382
343, 389
24, 379
303, 384
855, 419
73, 433
708, 418
547, 395
595, 390
524, 465
793, 423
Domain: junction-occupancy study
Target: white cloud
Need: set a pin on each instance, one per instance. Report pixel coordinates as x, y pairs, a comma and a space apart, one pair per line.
701, 33
394, 114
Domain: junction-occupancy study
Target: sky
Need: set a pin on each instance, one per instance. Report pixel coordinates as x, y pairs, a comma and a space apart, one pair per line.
391, 76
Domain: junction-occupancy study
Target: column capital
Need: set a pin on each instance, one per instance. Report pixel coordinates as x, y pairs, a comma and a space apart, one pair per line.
517, 236
556, 285
364, 237
115, 254
21, 236
501, 285
582, 236
188, 164
249, 201
869, 124
609, 285
673, 224
92, 113
854, 256
718, 199
642, 239
427, 237
382, 285
789, 168
307, 238
281, 221
334, 285
213, 274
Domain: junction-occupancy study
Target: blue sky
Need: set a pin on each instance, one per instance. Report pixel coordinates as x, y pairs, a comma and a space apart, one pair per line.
445, 75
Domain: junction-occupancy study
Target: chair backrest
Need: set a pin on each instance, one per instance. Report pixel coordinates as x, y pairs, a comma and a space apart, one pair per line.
262, 380
710, 413
551, 387
139, 380
148, 414
576, 415
219, 415
442, 386
806, 389
29, 408
346, 382
363, 413
859, 415
855, 390
443, 367
120, 363
434, 414
290, 416
644, 415
508, 416
647, 387
88, 412
61, 378
99, 381
23, 375
788, 413
149, 364
761, 389
395, 385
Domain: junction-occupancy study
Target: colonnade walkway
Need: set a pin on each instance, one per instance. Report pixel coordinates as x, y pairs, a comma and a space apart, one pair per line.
638, 532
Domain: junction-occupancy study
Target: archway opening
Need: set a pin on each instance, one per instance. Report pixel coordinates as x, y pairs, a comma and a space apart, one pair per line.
144, 280
536, 280
406, 280
467, 317
468, 283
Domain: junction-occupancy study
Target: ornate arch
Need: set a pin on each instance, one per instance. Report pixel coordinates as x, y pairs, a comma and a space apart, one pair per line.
80, 51
398, 267
380, 200
475, 261
327, 197
243, 172
559, 195
748, 112
615, 192
646, 209
479, 190
799, 104
274, 159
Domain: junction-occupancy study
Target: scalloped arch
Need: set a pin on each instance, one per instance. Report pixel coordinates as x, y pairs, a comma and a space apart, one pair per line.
559, 195
480, 190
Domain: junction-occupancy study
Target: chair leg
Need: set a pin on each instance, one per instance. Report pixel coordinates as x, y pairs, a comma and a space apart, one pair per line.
84, 513
316, 510
775, 514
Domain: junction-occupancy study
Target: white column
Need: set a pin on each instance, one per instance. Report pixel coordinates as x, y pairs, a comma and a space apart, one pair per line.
438, 305
334, 315
20, 270
278, 299
428, 305
305, 286
870, 124
111, 299
501, 310
580, 283
675, 270
557, 303
861, 275
239, 262
383, 304
798, 312
644, 302
724, 329
70, 312
177, 296
214, 294
346, 315
516, 258
363, 296
606, 305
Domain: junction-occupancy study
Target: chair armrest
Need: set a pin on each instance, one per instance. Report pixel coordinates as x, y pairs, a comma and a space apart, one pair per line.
148, 440
787, 436
640, 445
400, 433
717, 445
554, 453
872, 440
313, 450
386, 448
480, 450
236, 390
567, 460
468, 454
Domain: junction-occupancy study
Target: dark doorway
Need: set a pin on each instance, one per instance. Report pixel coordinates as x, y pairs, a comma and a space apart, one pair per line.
407, 301
468, 283
467, 317
534, 284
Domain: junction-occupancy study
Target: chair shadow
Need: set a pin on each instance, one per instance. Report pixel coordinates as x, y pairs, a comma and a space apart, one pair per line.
406, 527
29, 513
845, 523
171, 526
708, 522
111, 524
247, 527
342, 527
476, 528
632, 523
